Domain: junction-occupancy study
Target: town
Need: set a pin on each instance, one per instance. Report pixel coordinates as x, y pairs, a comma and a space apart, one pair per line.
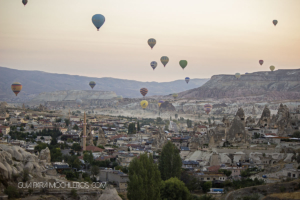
216, 156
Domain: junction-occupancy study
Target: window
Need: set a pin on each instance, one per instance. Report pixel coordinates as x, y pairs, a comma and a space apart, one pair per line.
208, 178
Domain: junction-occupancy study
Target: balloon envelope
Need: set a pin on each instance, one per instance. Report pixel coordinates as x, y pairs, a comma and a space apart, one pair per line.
16, 87
151, 42
187, 79
144, 104
144, 91
153, 64
207, 108
275, 22
261, 62
272, 68
24, 2
98, 20
183, 63
238, 75
164, 60
175, 95
92, 84
160, 102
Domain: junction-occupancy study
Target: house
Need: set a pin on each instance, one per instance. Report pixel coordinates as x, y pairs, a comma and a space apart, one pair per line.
3, 120
211, 176
201, 129
5, 130
190, 164
114, 176
94, 149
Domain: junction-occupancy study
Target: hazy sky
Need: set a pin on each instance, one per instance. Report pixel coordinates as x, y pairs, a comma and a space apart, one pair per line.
214, 36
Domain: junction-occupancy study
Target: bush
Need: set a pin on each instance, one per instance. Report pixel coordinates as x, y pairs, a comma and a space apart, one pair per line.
74, 193
25, 175
12, 192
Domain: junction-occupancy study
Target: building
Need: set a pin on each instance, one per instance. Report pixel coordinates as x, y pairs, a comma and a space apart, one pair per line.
115, 177
5, 130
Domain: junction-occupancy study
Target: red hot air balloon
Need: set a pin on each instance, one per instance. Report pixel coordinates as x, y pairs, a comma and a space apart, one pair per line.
261, 62
144, 91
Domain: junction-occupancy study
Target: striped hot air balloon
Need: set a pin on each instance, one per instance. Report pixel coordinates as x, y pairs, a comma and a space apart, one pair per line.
92, 84
164, 60
207, 108
151, 42
144, 91
16, 87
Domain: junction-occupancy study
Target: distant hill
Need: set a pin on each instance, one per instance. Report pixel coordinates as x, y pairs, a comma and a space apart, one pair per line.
35, 82
253, 87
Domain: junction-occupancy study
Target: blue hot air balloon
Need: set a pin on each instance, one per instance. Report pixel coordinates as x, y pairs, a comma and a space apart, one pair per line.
187, 79
153, 64
98, 20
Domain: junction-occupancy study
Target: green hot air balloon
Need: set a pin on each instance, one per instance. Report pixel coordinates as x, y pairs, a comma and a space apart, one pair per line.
183, 63
272, 67
164, 60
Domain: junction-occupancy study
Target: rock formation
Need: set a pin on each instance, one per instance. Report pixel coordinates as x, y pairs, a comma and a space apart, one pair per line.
283, 120
160, 139
250, 122
110, 193
237, 132
14, 159
101, 137
265, 118
167, 107
45, 155
240, 113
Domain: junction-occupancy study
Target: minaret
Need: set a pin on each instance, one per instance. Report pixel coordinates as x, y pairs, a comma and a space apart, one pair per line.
84, 132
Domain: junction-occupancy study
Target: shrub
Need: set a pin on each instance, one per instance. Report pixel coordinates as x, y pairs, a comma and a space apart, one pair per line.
74, 193
12, 192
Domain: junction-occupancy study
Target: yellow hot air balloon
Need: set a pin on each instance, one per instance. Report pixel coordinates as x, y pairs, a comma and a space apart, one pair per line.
144, 104
175, 95
16, 87
272, 67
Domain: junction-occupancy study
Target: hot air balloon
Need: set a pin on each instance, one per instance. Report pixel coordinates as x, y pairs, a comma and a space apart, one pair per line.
16, 87
261, 62
144, 104
79, 102
151, 42
98, 20
144, 91
160, 102
164, 60
175, 95
24, 2
275, 22
272, 67
92, 84
187, 79
238, 75
119, 97
207, 108
153, 64
183, 63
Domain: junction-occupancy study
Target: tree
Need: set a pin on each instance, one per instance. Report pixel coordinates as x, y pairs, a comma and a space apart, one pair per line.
56, 155
53, 142
296, 134
76, 147
173, 189
75, 127
131, 128
144, 179
159, 120
169, 162
226, 172
207, 197
74, 193
101, 146
40, 146
206, 186
25, 174
209, 121
88, 157
189, 123
138, 126
95, 170
67, 121
176, 116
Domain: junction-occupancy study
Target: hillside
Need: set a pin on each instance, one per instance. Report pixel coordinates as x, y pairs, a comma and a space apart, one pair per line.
35, 82
253, 87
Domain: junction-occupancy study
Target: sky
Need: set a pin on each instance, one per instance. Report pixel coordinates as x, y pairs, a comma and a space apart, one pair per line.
214, 36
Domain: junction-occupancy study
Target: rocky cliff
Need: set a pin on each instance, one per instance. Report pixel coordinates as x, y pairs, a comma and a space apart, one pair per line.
257, 86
